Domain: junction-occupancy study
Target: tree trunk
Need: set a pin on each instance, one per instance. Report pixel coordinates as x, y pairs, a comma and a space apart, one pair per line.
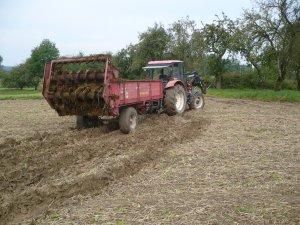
278, 84
257, 70
219, 82
281, 65
298, 79
35, 87
259, 73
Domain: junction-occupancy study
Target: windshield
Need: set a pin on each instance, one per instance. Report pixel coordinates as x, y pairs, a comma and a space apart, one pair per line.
156, 73
164, 71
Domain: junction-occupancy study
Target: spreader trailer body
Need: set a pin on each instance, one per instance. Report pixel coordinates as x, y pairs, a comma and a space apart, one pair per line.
96, 93
91, 88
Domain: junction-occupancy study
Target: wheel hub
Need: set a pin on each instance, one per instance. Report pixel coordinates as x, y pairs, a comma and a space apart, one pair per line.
179, 101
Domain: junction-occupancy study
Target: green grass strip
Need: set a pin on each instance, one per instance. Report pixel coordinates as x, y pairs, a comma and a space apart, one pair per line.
255, 94
26, 93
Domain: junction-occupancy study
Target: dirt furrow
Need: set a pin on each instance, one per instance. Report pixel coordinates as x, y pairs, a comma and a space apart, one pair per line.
48, 168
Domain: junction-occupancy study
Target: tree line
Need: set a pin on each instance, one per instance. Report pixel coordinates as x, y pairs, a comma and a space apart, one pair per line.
266, 37
30, 73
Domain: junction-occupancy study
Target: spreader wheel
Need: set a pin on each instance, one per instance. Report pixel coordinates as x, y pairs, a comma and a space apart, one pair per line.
128, 120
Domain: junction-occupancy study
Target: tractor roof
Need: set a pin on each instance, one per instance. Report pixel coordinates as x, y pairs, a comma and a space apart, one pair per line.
155, 67
164, 62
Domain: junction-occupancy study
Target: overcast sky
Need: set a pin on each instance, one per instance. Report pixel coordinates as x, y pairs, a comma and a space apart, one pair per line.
95, 26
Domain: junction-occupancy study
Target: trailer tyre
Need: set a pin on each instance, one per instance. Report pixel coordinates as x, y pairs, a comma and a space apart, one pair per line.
128, 120
175, 100
197, 101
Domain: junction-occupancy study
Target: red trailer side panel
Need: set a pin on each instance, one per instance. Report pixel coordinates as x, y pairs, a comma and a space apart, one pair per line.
138, 92
134, 92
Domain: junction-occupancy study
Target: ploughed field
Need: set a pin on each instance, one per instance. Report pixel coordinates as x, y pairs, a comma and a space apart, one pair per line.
236, 161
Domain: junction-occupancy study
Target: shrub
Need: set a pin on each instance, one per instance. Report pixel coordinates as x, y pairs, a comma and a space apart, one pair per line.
209, 81
231, 80
235, 80
289, 85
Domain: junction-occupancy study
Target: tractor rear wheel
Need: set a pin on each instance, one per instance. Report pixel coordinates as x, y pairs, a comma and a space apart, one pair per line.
87, 121
128, 120
175, 100
197, 101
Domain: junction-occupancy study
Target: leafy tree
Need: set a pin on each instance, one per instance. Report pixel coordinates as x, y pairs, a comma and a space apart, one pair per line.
233, 65
199, 57
273, 22
17, 78
217, 65
153, 43
123, 60
180, 43
295, 56
80, 54
217, 38
248, 44
41, 55
152, 46
7, 80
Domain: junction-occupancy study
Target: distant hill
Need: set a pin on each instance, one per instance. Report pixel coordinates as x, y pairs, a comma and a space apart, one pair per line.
7, 68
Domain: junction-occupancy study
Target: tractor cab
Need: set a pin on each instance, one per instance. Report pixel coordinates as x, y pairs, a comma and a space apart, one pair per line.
172, 72
165, 70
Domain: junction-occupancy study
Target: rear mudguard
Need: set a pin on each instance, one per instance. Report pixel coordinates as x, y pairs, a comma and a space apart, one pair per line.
172, 83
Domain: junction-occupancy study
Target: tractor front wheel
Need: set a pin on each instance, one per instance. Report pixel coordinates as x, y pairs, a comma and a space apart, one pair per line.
197, 101
175, 100
128, 120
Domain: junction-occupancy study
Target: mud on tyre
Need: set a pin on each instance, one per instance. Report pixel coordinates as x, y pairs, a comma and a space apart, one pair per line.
175, 100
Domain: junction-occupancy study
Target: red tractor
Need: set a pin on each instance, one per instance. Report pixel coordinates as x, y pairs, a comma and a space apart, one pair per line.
90, 88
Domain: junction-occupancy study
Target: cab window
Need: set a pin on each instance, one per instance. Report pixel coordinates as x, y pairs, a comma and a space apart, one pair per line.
178, 71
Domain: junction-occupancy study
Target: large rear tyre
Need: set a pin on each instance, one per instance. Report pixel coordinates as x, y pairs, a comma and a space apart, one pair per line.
87, 121
197, 101
128, 120
175, 100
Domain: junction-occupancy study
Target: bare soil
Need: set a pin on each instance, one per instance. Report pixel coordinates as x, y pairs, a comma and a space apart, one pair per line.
236, 161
